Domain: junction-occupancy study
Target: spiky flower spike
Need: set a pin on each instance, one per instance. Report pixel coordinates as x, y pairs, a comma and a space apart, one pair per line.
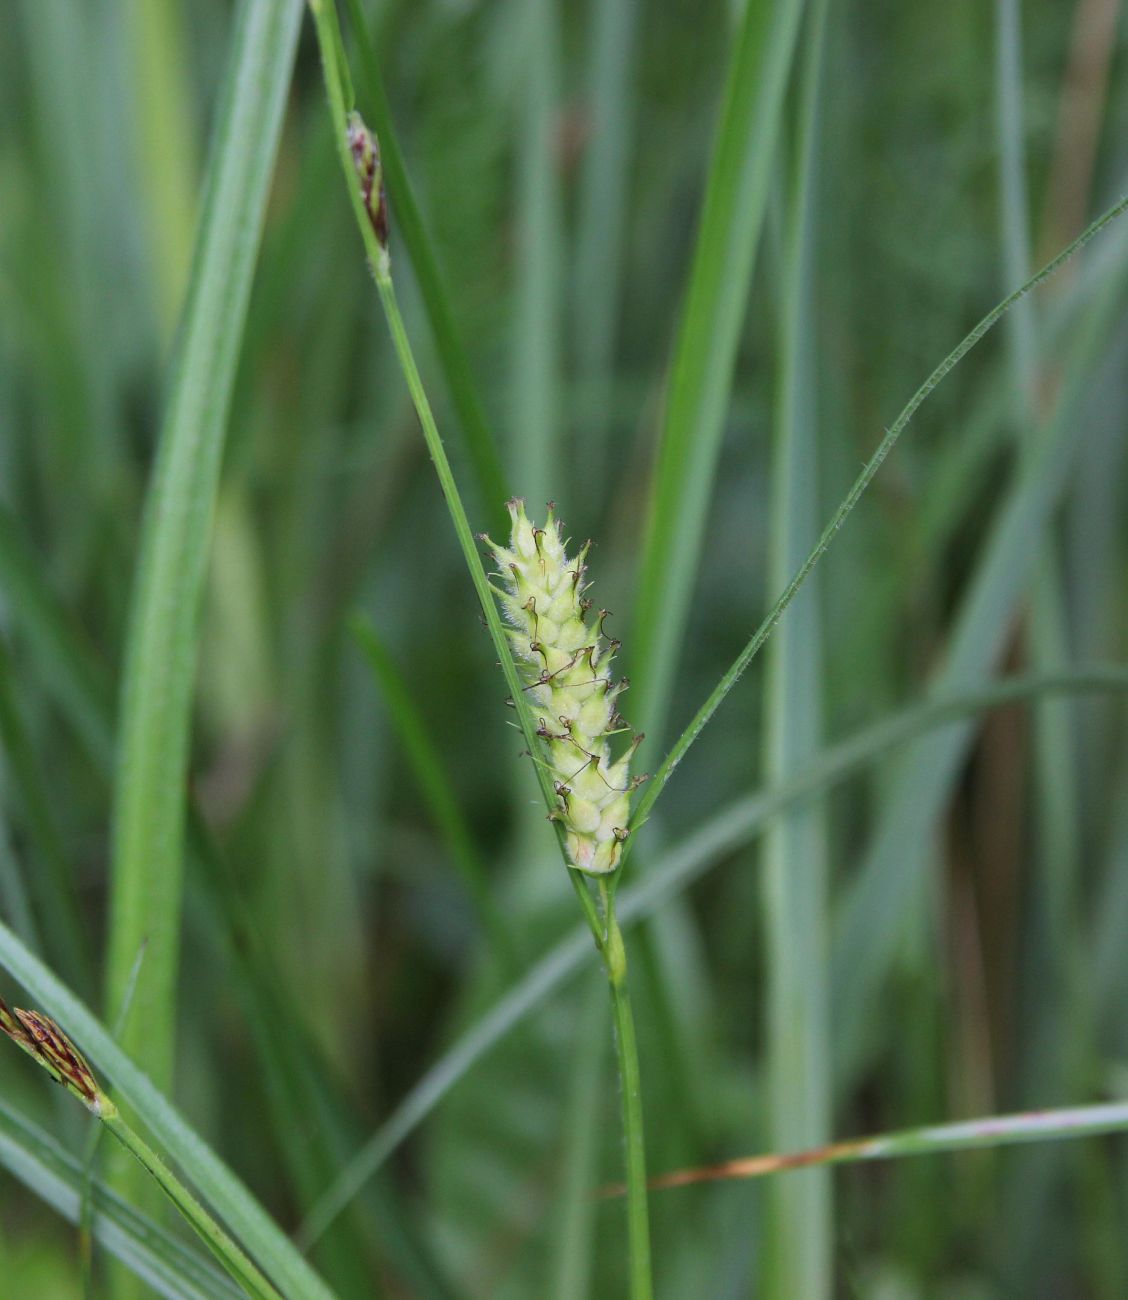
565, 660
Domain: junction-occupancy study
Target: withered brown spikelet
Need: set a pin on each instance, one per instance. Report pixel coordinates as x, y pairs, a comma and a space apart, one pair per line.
43, 1040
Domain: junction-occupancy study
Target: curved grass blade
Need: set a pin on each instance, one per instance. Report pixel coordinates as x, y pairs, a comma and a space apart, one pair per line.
162, 641
671, 873
872, 913
48, 1045
732, 219
216, 1185
158, 1258
884, 447
964, 1135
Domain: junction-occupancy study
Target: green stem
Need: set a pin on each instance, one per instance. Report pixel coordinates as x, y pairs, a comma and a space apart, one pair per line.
482, 453
609, 941
469, 550
228, 1253
630, 1086
328, 39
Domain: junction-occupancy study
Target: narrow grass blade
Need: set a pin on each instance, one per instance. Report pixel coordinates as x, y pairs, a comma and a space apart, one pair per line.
161, 647
242, 1269
736, 196
158, 1258
670, 874
1057, 1026
798, 1248
482, 450
873, 911
166, 146
216, 1185
736, 671
535, 376
601, 227
965, 1135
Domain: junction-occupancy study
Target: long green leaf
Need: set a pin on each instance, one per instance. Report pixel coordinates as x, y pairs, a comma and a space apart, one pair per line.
535, 354
731, 221
798, 1248
601, 227
162, 640
1057, 1041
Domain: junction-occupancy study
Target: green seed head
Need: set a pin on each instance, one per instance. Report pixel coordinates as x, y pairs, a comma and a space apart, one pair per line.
565, 660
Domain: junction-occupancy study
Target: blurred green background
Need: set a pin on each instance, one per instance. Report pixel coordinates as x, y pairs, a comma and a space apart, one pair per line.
940, 935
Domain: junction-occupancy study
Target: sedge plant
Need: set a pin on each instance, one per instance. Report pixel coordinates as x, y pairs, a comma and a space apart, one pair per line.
588, 801
557, 663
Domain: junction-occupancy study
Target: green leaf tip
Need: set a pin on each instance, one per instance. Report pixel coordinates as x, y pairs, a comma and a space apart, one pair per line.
564, 658
41, 1038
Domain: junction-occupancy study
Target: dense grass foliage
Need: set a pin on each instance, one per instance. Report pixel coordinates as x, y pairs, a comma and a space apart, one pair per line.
677, 267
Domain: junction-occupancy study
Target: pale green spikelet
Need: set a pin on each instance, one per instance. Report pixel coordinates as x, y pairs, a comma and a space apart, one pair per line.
565, 659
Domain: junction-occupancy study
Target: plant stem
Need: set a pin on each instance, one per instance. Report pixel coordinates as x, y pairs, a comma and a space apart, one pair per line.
605, 929
329, 41
229, 1254
630, 1086
481, 448
465, 537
